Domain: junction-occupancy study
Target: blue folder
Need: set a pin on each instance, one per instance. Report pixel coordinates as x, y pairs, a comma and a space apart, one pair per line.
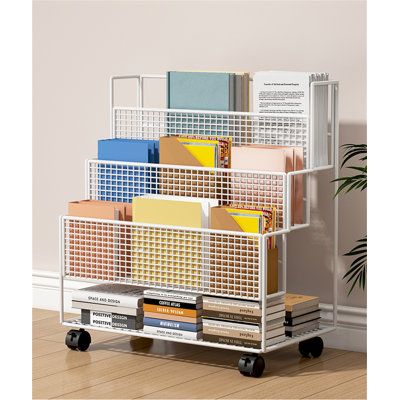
123, 182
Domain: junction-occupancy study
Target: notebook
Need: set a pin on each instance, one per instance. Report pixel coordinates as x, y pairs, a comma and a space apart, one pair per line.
201, 90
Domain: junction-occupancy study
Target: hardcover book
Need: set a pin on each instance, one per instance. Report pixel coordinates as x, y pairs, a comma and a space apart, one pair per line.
107, 308
174, 333
172, 311
302, 328
111, 320
172, 294
114, 294
170, 324
168, 317
296, 302
242, 342
172, 303
201, 90
302, 318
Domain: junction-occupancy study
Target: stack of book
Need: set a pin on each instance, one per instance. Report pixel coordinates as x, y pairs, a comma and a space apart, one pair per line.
110, 306
302, 314
238, 322
173, 314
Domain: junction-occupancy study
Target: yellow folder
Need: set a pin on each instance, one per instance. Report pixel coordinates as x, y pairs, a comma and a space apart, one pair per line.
205, 151
167, 212
167, 256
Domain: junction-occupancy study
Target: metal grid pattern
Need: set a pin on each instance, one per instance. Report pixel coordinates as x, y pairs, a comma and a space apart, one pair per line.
121, 181
203, 261
243, 128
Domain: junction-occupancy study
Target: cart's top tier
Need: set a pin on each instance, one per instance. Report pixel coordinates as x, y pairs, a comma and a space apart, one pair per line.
243, 127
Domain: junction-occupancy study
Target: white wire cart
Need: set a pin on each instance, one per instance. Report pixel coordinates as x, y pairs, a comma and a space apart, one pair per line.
205, 261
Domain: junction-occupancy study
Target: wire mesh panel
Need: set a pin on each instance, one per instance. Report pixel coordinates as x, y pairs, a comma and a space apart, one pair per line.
202, 261
121, 181
243, 128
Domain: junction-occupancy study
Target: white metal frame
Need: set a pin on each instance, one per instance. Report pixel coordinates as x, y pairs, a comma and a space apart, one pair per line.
285, 229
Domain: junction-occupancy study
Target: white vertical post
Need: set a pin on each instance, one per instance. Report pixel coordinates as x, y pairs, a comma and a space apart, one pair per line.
111, 105
86, 179
284, 262
263, 268
335, 131
310, 158
61, 260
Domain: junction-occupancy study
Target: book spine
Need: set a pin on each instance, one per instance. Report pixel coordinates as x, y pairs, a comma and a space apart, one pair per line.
172, 295
171, 303
198, 301
172, 311
153, 330
176, 318
231, 309
106, 308
110, 320
247, 335
231, 316
232, 341
290, 322
108, 299
163, 323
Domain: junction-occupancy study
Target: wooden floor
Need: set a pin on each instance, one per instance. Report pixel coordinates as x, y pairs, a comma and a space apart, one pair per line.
117, 367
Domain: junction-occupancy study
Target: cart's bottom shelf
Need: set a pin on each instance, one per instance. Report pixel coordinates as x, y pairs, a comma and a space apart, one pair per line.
76, 323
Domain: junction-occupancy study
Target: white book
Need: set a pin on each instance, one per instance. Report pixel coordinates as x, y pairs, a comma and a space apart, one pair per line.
113, 294
176, 333
288, 93
172, 294
275, 340
174, 299
216, 323
256, 305
276, 315
276, 323
231, 302
275, 332
107, 308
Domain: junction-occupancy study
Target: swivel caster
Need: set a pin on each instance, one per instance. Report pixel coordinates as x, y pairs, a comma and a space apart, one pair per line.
313, 346
78, 340
251, 365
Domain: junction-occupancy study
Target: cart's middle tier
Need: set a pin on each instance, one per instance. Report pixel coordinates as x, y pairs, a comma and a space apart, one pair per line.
121, 181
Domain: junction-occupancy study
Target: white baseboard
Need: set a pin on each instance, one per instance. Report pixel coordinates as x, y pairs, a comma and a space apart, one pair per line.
351, 332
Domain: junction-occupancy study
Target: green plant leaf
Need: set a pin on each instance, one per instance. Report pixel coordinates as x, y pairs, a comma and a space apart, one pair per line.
357, 271
354, 150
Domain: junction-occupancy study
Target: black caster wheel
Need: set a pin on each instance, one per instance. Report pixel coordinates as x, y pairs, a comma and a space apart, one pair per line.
78, 340
251, 365
313, 347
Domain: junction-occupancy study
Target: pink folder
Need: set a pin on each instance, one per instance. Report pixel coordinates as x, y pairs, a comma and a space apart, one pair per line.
274, 159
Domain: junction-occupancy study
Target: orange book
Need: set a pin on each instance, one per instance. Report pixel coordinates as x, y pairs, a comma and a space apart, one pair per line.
183, 312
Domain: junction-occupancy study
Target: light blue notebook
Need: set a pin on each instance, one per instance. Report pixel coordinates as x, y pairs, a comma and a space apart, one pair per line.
201, 90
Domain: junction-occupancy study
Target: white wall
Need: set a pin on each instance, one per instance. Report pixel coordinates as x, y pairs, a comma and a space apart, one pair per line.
78, 45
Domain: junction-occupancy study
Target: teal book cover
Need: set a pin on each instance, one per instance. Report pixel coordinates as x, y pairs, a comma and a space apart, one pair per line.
201, 90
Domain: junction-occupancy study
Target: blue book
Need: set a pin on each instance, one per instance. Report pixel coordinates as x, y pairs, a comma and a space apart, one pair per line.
166, 323
123, 182
132, 150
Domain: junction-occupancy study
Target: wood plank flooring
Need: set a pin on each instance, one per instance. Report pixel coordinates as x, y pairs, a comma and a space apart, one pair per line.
118, 367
